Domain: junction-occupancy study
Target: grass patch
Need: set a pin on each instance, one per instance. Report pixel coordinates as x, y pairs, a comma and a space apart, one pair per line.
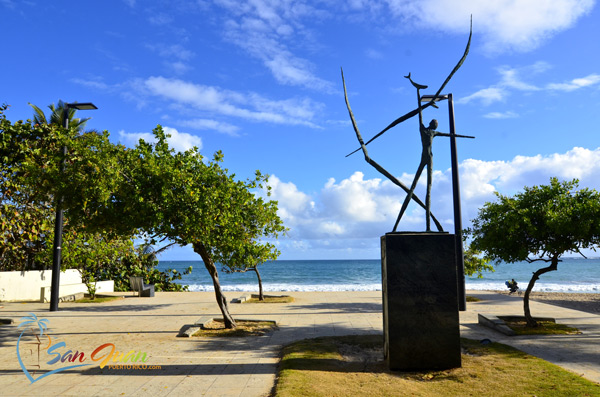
271, 299
473, 299
99, 299
544, 327
216, 328
342, 366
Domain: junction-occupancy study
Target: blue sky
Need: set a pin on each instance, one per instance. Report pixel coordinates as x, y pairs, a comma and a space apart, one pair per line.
260, 80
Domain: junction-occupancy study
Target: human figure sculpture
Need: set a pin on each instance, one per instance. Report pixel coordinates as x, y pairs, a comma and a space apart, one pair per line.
427, 135
378, 167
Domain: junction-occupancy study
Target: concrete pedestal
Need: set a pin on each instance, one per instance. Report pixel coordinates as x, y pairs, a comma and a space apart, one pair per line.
420, 304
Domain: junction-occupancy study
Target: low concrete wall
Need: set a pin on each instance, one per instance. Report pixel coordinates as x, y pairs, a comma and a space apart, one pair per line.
72, 289
31, 285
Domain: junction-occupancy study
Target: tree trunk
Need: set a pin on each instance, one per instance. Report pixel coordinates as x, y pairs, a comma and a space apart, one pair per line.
261, 297
553, 266
212, 269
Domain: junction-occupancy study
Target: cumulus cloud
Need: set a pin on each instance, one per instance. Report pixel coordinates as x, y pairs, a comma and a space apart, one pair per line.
289, 196
357, 199
180, 141
355, 211
504, 24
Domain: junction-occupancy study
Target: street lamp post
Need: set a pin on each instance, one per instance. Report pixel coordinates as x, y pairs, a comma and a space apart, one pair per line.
58, 223
460, 256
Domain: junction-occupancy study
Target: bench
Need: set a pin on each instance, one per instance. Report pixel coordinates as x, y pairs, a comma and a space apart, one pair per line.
137, 285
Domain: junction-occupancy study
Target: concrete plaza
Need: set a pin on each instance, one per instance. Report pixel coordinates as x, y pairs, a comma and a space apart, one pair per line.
235, 366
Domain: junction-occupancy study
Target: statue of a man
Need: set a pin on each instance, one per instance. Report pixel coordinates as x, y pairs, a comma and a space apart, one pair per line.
427, 135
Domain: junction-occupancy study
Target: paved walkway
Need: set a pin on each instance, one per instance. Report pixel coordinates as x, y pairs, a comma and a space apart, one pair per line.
233, 366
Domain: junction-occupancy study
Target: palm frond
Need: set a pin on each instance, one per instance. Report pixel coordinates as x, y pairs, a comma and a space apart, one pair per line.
57, 116
38, 115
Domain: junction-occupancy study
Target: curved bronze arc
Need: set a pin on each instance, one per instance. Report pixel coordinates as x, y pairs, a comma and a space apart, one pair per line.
430, 103
378, 167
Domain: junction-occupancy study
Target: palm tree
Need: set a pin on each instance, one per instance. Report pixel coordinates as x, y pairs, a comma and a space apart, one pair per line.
148, 255
58, 116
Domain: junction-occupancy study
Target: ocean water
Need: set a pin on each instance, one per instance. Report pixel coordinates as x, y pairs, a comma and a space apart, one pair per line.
573, 275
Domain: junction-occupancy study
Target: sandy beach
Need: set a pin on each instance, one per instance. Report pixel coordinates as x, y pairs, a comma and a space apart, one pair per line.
589, 303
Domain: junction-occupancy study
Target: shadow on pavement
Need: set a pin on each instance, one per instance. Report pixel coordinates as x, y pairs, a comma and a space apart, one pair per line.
336, 307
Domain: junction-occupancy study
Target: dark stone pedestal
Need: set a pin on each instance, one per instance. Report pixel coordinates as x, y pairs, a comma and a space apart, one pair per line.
420, 304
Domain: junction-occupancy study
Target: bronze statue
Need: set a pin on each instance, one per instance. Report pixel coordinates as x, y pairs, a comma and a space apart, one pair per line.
427, 135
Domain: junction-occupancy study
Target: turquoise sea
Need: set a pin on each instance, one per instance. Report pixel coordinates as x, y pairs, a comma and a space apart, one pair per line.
573, 275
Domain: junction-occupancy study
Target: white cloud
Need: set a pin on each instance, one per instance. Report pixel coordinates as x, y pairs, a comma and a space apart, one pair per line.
206, 124
95, 84
178, 67
355, 199
176, 56
288, 195
250, 106
180, 141
503, 24
267, 30
575, 84
487, 96
357, 211
501, 115
511, 80
331, 228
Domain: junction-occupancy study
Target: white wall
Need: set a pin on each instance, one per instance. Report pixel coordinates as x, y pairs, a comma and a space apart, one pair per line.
35, 285
71, 289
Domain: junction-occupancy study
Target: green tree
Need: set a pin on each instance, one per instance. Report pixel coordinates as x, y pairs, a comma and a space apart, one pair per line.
25, 214
475, 262
249, 258
190, 201
540, 224
31, 178
97, 256
144, 264
151, 189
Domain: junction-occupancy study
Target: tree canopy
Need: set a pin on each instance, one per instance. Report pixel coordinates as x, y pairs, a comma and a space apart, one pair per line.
26, 213
191, 201
151, 189
475, 262
540, 224
31, 178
